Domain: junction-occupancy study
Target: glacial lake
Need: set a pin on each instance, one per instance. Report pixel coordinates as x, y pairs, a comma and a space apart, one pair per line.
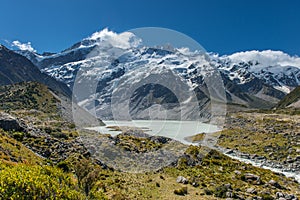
177, 130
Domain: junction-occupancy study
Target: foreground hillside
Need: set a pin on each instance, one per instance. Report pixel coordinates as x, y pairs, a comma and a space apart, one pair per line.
42, 157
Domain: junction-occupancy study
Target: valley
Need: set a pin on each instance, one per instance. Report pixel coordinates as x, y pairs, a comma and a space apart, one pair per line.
110, 119
49, 147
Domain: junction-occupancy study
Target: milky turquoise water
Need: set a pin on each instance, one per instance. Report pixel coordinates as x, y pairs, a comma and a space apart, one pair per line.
177, 130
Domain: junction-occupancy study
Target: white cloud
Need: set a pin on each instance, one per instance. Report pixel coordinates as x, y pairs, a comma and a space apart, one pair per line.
23, 46
267, 58
123, 40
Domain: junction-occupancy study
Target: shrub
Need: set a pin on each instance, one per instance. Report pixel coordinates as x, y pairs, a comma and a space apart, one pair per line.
36, 182
267, 197
64, 166
182, 191
221, 191
208, 191
18, 136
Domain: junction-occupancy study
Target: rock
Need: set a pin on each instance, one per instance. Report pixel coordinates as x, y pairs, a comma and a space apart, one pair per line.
237, 172
228, 186
9, 123
251, 191
181, 179
274, 184
229, 151
250, 176
254, 179
289, 159
229, 195
245, 155
279, 194
290, 197
254, 156
195, 184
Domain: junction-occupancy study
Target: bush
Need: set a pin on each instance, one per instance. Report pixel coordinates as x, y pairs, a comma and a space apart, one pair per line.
36, 182
182, 191
221, 191
208, 192
18, 136
267, 197
64, 166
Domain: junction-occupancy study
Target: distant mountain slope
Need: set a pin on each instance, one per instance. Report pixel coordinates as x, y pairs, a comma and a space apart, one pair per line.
15, 68
291, 100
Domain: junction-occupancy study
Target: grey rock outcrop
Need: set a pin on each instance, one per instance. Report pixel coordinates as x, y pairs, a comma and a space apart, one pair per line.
9, 123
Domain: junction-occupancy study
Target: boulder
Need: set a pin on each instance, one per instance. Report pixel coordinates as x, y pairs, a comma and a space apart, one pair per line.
279, 195
274, 184
254, 179
251, 191
9, 123
181, 179
290, 197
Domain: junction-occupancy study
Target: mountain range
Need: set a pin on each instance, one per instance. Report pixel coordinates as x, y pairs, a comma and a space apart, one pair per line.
98, 65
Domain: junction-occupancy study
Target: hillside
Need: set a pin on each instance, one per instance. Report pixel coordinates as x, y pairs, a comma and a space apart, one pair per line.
15, 68
28, 95
291, 100
39, 98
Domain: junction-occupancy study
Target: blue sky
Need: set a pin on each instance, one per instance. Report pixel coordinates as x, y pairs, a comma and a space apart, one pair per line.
222, 26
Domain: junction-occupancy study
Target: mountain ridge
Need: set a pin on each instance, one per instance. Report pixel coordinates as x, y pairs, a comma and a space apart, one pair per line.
254, 79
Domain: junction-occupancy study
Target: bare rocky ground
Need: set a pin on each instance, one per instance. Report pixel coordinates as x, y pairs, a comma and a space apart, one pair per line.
269, 139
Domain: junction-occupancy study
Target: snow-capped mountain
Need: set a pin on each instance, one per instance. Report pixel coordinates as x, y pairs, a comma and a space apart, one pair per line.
274, 67
107, 61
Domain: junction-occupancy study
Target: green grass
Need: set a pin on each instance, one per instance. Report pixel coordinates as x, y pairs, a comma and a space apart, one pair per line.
13, 151
37, 182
